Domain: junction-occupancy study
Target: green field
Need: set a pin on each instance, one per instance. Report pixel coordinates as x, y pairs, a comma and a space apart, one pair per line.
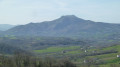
57, 49
106, 58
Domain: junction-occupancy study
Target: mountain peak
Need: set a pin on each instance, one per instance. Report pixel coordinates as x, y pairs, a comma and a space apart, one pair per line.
69, 16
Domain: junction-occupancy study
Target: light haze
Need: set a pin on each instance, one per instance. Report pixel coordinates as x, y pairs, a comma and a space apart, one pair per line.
26, 11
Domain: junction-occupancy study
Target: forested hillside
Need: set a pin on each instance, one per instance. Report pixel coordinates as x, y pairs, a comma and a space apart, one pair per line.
67, 26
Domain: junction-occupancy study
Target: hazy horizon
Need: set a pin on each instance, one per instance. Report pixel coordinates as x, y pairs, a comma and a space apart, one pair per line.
25, 11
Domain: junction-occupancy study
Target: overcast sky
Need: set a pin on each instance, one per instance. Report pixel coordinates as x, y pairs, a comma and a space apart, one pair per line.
26, 11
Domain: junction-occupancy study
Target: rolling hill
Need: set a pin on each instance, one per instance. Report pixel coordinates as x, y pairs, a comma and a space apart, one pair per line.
4, 27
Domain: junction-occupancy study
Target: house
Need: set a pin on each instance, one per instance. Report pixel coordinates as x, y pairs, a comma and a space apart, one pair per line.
85, 51
118, 56
85, 61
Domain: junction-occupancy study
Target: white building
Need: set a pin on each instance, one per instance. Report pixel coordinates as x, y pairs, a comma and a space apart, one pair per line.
118, 56
85, 61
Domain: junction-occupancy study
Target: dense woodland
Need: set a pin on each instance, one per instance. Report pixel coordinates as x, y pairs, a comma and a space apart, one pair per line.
30, 43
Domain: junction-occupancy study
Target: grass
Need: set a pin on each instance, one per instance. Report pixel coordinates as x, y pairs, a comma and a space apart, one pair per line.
56, 49
104, 56
74, 52
117, 47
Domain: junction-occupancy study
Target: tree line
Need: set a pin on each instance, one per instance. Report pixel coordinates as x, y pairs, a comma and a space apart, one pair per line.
26, 60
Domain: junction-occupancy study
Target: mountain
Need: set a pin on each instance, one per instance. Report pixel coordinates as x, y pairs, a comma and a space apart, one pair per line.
4, 27
67, 26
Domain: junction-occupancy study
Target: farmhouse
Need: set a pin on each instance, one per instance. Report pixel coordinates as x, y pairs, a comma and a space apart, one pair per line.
118, 56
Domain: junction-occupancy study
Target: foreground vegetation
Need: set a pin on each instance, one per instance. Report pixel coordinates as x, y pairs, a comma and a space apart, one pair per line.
27, 60
24, 60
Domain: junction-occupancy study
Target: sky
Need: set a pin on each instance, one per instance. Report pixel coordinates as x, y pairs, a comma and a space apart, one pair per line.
18, 12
